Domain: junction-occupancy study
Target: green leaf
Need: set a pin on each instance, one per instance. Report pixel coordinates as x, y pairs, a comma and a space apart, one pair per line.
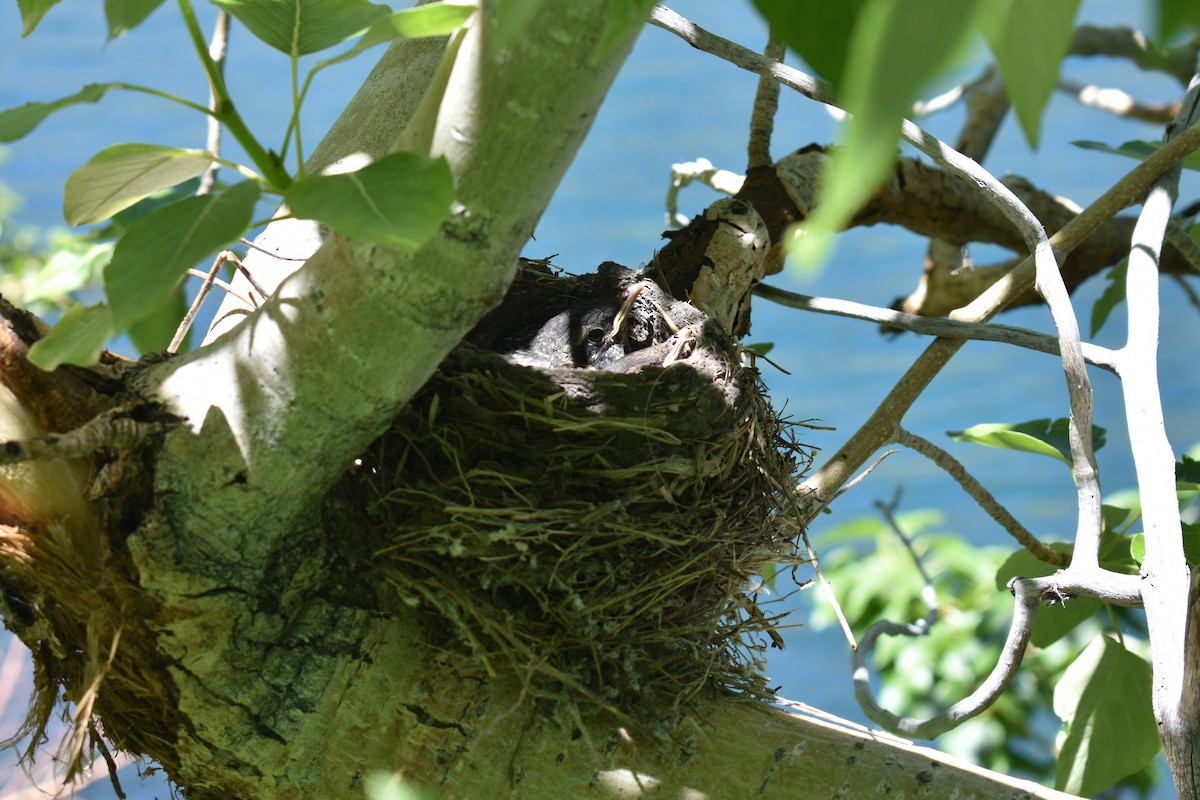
761, 348
155, 330
1175, 15
769, 571
818, 30
77, 338
1043, 436
16, 122
1136, 148
124, 220
1103, 700
398, 201
1191, 545
299, 27
153, 256
894, 52
69, 269
435, 19
1114, 295
623, 18
510, 16
32, 12
121, 175
1030, 38
1187, 469
125, 15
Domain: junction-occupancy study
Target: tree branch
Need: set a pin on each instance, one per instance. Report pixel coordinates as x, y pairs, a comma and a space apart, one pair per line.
1125, 42
1165, 578
982, 496
935, 326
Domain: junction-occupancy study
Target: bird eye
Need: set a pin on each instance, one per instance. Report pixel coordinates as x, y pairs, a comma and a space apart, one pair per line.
595, 335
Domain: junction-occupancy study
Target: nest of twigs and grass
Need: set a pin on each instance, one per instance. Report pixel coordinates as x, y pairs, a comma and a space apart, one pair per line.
599, 530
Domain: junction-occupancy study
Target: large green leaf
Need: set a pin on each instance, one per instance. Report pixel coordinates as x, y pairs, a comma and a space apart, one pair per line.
121, 175
895, 49
77, 338
16, 122
1030, 38
398, 201
434, 19
299, 27
125, 15
1136, 148
1174, 15
153, 256
1103, 700
818, 30
155, 330
32, 12
1047, 437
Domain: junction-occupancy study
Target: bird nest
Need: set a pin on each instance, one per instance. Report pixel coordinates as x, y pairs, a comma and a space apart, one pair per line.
601, 528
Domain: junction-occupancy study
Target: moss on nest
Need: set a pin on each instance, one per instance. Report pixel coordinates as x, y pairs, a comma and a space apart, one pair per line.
593, 527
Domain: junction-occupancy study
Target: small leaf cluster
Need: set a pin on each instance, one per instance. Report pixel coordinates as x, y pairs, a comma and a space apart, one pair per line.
397, 201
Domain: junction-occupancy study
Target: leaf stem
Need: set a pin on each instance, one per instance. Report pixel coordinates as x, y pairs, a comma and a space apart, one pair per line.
224, 110
297, 99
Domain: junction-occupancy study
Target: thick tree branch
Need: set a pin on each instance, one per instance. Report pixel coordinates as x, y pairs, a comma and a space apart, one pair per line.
1166, 582
1125, 42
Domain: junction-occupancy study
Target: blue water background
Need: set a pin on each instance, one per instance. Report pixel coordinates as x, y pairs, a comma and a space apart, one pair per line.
672, 104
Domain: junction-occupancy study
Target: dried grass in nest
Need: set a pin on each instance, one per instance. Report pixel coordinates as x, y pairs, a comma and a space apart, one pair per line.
597, 528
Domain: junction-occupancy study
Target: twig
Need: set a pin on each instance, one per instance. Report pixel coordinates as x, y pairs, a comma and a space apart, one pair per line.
1028, 599
827, 590
701, 170
762, 117
210, 279
111, 762
862, 475
217, 51
945, 259
113, 429
934, 326
982, 496
1119, 103
928, 595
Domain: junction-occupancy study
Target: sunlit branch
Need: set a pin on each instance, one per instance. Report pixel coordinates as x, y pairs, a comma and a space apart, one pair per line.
934, 326
217, 50
1119, 103
1166, 581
